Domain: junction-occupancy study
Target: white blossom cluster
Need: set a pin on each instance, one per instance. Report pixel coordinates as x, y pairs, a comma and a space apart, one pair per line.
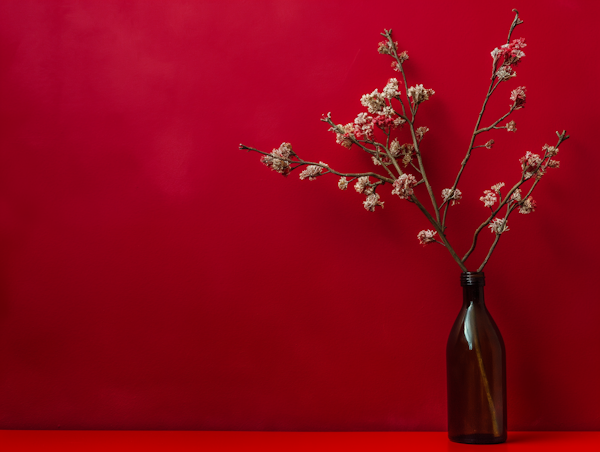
405, 150
498, 226
372, 201
420, 132
378, 160
274, 159
549, 151
403, 186
391, 89
363, 123
387, 48
375, 102
489, 198
498, 186
516, 196
395, 149
343, 183
363, 185
312, 171
453, 197
419, 94
505, 73
527, 206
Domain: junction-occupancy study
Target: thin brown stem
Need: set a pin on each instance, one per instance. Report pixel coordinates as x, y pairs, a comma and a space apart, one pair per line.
301, 162
491, 89
496, 239
440, 232
507, 199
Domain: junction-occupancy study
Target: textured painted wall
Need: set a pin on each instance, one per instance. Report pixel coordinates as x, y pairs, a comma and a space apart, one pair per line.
153, 276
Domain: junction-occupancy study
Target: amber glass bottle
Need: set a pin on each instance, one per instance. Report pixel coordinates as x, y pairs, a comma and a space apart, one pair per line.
476, 371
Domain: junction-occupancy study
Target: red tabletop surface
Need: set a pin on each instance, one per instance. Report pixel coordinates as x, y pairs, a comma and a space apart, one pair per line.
114, 441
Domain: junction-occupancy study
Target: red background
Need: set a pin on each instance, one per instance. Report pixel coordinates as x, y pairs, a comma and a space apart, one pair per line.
153, 276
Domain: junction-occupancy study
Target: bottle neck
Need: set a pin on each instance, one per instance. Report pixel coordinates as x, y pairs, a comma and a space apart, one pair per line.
472, 284
473, 294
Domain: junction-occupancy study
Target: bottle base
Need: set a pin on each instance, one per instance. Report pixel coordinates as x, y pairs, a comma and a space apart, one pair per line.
478, 438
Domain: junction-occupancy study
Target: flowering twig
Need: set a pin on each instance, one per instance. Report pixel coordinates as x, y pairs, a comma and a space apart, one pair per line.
383, 116
502, 226
539, 169
476, 131
301, 162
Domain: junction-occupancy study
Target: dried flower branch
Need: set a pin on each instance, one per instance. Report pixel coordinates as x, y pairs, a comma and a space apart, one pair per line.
392, 109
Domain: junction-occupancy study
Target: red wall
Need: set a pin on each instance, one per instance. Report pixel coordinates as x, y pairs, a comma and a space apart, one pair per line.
153, 276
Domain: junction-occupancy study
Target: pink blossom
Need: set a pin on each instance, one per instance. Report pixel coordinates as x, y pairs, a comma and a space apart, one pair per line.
275, 159
549, 151
372, 201
362, 185
380, 160
527, 206
343, 183
363, 126
517, 44
403, 186
426, 236
386, 48
511, 53
510, 126
420, 132
489, 144
518, 97
530, 164
383, 122
343, 134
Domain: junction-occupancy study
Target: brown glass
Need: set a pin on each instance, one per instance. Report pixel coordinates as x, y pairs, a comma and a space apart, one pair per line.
476, 371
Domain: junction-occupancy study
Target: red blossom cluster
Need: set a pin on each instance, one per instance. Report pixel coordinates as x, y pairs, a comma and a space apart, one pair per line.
383, 122
513, 52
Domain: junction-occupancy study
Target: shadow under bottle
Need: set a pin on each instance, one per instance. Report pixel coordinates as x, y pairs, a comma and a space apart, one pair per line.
476, 370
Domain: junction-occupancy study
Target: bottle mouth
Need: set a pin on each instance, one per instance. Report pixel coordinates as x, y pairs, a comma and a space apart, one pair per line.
472, 279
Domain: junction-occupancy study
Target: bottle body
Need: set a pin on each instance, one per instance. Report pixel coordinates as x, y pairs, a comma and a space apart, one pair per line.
476, 371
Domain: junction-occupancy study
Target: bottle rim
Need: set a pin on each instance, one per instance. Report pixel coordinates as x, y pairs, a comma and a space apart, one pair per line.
472, 279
